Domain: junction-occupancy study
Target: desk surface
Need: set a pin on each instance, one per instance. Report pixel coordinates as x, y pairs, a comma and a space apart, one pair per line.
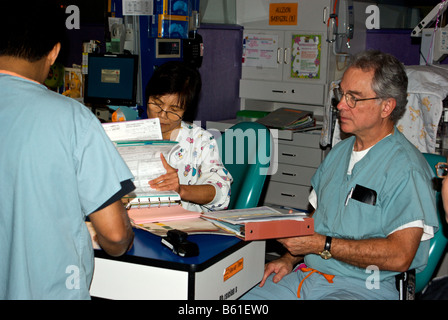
148, 250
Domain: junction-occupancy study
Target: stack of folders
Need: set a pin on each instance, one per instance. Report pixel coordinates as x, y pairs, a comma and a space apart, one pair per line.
262, 223
288, 119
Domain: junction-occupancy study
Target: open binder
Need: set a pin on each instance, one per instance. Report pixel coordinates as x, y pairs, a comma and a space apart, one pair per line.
262, 223
155, 207
144, 204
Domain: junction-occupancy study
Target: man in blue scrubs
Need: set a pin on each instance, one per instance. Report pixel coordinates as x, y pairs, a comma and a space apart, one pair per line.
57, 166
374, 203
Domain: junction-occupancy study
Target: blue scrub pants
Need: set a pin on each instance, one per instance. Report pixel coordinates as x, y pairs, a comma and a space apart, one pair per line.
317, 287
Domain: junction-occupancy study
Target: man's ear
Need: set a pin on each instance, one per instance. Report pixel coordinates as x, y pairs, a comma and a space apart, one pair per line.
54, 53
388, 105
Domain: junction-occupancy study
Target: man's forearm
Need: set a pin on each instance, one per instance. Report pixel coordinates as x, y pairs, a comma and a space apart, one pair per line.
394, 253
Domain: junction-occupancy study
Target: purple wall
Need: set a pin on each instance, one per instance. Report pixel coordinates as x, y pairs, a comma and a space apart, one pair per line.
397, 42
220, 72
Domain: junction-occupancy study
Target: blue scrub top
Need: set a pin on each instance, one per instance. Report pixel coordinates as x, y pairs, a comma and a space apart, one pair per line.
57, 167
400, 176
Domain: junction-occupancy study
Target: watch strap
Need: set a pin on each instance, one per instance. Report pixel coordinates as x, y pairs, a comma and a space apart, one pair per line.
328, 243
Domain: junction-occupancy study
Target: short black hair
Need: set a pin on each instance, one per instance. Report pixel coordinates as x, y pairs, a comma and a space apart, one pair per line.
176, 77
30, 29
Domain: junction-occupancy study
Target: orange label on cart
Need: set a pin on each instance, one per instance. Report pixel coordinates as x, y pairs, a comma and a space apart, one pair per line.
230, 271
283, 14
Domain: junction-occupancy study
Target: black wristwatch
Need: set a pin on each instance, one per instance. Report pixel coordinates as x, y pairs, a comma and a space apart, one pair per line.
326, 254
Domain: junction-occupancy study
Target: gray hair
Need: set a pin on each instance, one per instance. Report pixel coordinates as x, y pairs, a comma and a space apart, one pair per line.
389, 80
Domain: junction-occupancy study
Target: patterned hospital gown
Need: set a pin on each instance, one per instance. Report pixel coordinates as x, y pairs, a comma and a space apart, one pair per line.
198, 162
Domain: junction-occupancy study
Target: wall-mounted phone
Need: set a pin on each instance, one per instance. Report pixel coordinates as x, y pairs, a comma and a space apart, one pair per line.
340, 25
193, 49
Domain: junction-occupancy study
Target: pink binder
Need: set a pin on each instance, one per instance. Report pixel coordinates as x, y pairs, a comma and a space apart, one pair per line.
162, 213
276, 229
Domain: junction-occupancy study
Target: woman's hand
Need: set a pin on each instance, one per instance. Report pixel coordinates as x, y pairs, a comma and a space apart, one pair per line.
167, 181
200, 194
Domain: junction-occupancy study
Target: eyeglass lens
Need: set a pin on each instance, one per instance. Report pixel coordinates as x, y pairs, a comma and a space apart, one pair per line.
349, 99
170, 114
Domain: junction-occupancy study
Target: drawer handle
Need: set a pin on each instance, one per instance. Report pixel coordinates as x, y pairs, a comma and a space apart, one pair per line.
288, 174
288, 195
288, 154
278, 91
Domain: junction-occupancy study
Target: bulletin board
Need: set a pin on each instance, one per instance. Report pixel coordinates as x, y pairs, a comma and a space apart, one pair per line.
306, 56
260, 50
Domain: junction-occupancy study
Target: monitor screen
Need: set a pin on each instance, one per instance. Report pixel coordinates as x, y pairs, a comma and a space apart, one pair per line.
111, 79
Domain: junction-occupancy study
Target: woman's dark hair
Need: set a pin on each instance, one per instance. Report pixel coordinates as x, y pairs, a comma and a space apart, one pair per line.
29, 30
176, 77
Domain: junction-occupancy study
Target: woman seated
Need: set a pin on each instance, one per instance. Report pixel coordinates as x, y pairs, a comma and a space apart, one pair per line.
194, 168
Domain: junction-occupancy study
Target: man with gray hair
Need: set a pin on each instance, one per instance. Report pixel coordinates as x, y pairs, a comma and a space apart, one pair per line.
374, 206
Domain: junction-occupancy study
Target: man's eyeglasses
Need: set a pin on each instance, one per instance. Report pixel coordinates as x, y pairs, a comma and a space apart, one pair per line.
349, 98
171, 115
442, 169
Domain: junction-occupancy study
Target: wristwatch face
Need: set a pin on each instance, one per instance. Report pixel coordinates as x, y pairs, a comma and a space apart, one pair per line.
325, 254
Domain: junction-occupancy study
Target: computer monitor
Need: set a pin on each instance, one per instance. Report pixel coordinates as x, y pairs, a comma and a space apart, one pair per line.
111, 79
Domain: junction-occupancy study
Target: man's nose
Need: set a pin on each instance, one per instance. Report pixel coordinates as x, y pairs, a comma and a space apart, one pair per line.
342, 104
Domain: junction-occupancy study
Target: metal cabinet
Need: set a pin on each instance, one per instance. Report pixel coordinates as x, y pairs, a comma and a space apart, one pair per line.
298, 160
286, 66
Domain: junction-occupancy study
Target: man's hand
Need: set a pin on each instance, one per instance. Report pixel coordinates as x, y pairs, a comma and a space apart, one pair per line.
281, 267
304, 245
